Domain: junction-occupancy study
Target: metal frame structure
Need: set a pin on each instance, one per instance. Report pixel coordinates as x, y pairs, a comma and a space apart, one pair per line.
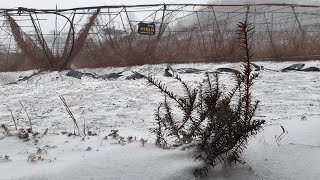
184, 32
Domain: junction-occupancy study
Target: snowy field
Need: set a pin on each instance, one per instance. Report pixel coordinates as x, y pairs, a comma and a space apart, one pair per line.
288, 99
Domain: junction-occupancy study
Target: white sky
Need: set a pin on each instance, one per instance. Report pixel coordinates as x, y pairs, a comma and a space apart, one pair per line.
50, 4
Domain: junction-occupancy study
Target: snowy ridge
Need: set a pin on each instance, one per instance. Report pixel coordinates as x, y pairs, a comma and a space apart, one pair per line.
288, 99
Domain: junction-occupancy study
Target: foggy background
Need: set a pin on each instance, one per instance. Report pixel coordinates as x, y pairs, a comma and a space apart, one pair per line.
51, 4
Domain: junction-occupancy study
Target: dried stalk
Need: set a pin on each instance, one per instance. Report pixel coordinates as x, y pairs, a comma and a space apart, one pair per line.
70, 113
14, 121
27, 116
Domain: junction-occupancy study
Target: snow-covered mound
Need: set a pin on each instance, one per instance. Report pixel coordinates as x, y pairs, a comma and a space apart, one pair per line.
288, 99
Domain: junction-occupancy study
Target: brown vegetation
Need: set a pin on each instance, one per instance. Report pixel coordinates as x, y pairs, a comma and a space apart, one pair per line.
205, 39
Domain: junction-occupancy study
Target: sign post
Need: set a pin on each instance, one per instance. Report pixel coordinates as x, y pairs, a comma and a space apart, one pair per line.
147, 28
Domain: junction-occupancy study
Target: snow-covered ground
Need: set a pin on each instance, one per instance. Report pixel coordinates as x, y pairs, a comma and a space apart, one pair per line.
288, 99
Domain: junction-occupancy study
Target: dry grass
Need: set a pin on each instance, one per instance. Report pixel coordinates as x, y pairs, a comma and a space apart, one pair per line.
34, 54
79, 41
41, 57
114, 47
190, 47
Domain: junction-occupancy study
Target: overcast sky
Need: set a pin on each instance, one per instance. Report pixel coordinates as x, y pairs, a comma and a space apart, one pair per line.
50, 4
77, 3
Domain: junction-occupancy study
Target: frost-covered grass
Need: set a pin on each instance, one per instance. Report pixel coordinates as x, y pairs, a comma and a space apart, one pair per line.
290, 99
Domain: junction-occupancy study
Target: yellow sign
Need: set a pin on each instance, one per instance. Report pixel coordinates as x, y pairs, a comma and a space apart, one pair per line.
147, 28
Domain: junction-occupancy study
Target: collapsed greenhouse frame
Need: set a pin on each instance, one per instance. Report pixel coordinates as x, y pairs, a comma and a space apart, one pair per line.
109, 35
